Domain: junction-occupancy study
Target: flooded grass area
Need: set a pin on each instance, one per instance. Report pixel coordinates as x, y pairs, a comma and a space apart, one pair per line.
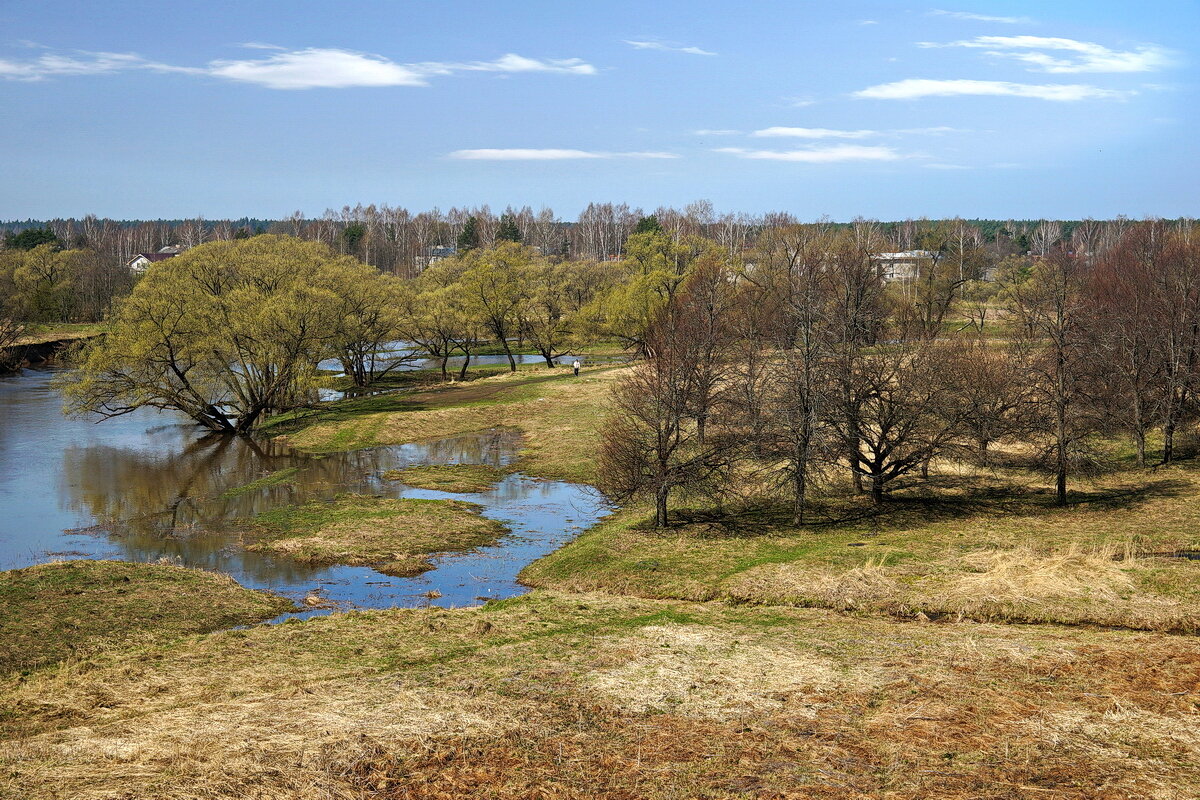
148, 486
395, 537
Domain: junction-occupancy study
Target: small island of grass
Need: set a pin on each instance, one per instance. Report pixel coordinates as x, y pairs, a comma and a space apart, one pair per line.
464, 478
396, 537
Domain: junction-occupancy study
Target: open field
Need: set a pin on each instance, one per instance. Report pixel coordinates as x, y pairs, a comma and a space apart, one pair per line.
579, 696
77, 608
396, 537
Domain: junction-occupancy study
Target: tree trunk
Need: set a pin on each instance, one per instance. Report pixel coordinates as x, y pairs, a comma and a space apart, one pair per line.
877, 489
549, 358
799, 482
445, 360
1139, 439
462, 372
660, 508
512, 362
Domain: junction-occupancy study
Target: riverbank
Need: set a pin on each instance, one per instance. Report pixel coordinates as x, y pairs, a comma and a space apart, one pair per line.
80, 609
732, 655
43, 345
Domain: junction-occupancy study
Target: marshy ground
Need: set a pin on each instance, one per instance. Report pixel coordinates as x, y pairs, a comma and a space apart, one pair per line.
863, 655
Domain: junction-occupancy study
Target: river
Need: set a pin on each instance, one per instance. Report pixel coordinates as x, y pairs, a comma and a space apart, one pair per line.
149, 485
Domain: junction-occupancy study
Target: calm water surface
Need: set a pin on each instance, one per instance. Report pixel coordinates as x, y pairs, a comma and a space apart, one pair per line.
149, 485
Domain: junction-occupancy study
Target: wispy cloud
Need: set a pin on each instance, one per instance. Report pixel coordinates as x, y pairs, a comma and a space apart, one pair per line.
546, 154
260, 46
54, 65
813, 133
670, 47
309, 68
966, 15
819, 155
716, 132
833, 133
915, 88
1036, 52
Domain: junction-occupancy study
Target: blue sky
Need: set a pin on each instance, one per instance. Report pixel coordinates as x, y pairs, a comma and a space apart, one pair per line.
879, 109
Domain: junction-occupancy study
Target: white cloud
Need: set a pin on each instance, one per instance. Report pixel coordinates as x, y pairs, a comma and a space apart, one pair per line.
716, 132
944, 166
813, 133
671, 48
318, 68
1035, 51
546, 154
868, 22
260, 46
966, 15
914, 88
819, 155
309, 68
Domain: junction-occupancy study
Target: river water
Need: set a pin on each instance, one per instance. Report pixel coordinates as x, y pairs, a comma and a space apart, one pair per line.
149, 485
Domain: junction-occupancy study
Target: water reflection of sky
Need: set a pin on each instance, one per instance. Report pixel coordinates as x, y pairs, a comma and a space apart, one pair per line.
155, 487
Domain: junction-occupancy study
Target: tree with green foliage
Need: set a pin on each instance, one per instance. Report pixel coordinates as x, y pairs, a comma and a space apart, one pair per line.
352, 235
367, 321
508, 230
226, 333
493, 287
31, 238
648, 225
468, 237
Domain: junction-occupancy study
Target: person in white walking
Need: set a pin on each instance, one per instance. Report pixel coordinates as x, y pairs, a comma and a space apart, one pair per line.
575, 367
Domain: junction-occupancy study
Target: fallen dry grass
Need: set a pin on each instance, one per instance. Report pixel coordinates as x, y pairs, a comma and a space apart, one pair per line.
1102, 586
573, 696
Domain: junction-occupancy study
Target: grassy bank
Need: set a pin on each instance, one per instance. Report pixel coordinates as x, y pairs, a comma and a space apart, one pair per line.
975, 548
558, 414
578, 696
448, 477
76, 608
396, 537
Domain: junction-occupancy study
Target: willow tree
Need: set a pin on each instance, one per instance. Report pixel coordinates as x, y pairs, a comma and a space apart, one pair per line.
226, 333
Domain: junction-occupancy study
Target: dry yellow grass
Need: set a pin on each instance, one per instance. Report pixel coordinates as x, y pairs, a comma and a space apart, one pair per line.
593, 697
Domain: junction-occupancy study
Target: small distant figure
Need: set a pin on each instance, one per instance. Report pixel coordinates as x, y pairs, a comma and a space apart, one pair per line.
575, 367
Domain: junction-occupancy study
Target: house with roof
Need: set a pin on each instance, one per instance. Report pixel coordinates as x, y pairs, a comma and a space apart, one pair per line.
141, 261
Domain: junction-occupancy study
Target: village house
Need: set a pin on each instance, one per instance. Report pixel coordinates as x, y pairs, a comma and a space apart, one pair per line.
141, 261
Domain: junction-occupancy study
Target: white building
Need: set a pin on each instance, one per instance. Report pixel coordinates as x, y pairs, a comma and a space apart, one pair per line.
904, 266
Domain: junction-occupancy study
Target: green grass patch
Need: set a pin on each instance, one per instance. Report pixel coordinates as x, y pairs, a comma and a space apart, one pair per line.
52, 611
448, 477
396, 537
